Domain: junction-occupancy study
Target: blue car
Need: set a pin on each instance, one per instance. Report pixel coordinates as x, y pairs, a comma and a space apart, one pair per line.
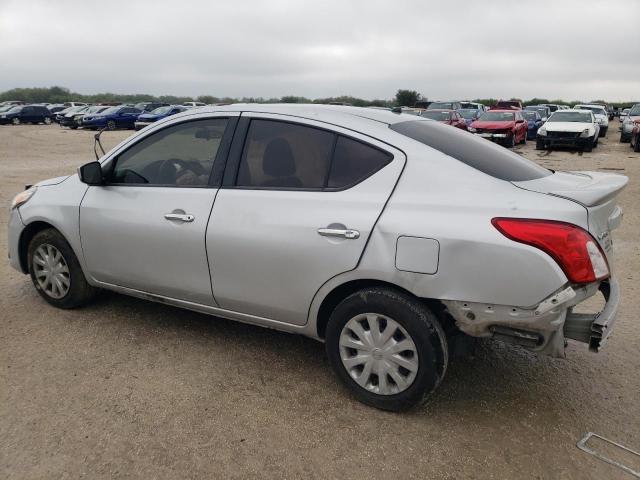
112, 118
534, 122
158, 114
470, 114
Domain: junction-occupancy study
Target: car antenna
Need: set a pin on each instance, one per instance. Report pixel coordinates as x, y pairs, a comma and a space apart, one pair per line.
97, 143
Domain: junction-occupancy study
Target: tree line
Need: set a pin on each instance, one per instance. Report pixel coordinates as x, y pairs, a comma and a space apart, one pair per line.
403, 97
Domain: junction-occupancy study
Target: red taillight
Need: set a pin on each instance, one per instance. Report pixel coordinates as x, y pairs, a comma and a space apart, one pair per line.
575, 250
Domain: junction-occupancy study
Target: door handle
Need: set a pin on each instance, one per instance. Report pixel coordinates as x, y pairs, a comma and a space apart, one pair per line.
338, 232
181, 217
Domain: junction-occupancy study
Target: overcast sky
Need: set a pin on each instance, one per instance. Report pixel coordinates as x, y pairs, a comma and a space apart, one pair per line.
453, 49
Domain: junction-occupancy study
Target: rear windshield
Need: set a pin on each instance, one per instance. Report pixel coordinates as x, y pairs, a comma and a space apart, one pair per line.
478, 153
435, 115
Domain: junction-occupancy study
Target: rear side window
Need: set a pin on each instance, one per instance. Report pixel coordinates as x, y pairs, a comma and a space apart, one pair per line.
354, 161
285, 155
478, 153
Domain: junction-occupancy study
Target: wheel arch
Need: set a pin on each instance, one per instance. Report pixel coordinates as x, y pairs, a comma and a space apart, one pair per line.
342, 291
30, 231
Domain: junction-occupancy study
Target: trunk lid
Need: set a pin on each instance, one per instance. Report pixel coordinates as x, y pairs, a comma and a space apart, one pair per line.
595, 191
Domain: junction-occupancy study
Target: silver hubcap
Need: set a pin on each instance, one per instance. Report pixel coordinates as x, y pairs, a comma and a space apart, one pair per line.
378, 353
51, 271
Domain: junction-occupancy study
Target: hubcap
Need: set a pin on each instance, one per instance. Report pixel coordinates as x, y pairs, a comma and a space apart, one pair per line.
51, 271
378, 354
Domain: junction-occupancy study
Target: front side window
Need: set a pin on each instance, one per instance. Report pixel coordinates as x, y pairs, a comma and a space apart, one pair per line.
280, 154
181, 155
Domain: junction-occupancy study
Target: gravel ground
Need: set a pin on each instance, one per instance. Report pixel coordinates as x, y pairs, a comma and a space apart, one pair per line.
131, 389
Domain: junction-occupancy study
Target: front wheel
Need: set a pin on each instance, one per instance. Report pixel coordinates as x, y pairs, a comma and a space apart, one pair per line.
603, 131
111, 125
636, 146
387, 348
15, 121
47, 120
539, 145
56, 272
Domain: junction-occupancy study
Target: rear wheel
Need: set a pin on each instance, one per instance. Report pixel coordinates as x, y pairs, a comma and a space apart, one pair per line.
387, 348
47, 120
524, 137
603, 131
56, 272
111, 125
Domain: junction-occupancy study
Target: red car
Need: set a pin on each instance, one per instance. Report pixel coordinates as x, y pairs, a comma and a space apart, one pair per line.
449, 117
635, 137
506, 127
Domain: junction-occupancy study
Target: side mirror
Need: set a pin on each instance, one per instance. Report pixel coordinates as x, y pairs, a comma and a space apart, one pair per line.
91, 173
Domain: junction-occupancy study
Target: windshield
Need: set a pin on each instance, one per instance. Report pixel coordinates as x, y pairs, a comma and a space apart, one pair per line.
441, 105
5, 108
529, 115
596, 110
541, 110
635, 110
15, 109
496, 117
468, 113
433, 115
111, 110
161, 110
487, 157
560, 116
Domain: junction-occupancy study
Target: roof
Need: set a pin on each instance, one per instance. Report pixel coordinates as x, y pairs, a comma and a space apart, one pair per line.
337, 114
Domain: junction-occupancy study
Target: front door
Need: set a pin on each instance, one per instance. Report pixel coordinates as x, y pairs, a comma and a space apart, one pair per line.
145, 229
296, 210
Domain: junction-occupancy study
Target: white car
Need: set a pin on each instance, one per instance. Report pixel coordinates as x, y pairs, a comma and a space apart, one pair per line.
601, 114
628, 121
387, 236
569, 128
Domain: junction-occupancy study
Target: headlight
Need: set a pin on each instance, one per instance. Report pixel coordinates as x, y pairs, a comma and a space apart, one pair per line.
585, 133
23, 197
602, 121
542, 131
471, 129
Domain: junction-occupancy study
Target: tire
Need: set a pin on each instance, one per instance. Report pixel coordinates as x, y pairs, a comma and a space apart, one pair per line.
636, 146
512, 141
603, 131
47, 120
47, 249
524, 138
111, 125
595, 144
15, 121
623, 139
412, 324
539, 145
587, 148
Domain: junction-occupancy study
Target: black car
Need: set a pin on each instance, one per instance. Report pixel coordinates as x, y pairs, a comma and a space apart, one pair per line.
26, 114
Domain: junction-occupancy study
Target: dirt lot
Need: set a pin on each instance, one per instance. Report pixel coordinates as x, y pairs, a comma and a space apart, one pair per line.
132, 389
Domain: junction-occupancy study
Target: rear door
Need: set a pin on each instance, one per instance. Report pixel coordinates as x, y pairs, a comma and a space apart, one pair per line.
297, 206
145, 229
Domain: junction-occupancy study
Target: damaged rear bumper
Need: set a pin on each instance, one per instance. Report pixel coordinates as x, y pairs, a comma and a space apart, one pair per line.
545, 327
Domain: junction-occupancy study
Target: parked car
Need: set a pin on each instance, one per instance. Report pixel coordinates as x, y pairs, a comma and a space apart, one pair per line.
473, 106
553, 107
569, 128
623, 113
543, 110
69, 119
26, 114
628, 123
157, 114
69, 110
112, 118
55, 108
507, 105
448, 117
75, 104
534, 122
507, 127
149, 106
634, 139
401, 245
470, 114
78, 117
193, 104
601, 116
444, 106
12, 102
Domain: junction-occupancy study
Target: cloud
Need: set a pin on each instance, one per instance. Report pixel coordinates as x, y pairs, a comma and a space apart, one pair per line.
465, 49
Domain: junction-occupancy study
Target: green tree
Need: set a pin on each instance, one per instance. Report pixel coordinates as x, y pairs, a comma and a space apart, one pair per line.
407, 98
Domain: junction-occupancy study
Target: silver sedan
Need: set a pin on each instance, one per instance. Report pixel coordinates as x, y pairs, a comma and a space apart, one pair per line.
388, 236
